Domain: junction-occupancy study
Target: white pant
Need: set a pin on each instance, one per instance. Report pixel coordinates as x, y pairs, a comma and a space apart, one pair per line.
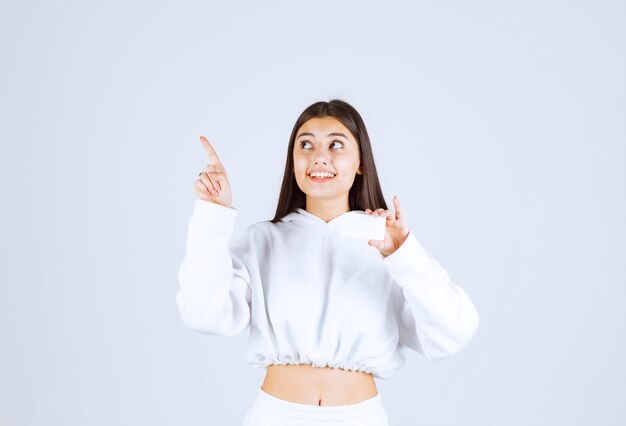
268, 410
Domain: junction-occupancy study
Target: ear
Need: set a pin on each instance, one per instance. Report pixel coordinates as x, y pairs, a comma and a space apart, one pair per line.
360, 170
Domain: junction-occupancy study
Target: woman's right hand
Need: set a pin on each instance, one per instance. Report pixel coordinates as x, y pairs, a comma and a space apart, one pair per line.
213, 183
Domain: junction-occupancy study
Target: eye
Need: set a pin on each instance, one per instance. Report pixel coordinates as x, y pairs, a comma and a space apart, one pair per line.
305, 141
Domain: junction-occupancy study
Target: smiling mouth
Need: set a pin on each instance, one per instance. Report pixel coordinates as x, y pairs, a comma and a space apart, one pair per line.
320, 179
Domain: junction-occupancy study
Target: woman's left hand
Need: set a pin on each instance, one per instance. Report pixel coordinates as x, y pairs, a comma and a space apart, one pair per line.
396, 229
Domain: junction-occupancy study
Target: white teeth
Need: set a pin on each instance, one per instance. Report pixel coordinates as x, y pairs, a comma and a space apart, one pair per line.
321, 175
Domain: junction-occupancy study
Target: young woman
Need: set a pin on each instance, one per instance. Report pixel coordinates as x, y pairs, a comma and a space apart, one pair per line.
328, 308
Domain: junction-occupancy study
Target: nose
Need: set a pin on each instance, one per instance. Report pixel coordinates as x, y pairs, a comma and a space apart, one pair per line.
321, 158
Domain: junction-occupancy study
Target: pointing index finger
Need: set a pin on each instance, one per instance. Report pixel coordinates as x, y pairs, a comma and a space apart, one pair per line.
210, 151
399, 214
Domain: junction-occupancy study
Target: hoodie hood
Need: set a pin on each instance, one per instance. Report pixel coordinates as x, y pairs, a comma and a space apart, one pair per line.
303, 219
354, 223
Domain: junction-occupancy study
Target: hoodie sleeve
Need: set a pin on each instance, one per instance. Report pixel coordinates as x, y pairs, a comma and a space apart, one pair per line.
214, 282
435, 316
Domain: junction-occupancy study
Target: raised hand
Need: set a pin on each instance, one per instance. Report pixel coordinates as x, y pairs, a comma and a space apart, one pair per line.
213, 183
396, 229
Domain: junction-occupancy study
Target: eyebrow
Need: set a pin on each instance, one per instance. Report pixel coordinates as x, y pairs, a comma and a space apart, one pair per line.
330, 134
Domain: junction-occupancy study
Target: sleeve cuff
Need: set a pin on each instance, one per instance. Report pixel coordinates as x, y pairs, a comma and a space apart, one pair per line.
209, 213
408, 256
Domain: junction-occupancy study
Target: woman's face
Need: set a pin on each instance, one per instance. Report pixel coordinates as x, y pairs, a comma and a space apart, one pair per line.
324, 144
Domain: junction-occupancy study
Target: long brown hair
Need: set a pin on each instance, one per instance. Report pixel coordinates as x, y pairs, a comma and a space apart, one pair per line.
365, 191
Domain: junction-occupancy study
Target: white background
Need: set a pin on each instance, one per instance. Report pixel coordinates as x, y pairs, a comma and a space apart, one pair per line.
499, 125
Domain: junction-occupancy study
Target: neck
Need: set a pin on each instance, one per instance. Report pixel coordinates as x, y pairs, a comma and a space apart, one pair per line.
327, 209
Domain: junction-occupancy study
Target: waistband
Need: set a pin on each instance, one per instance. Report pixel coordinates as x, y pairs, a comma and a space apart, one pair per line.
369, 407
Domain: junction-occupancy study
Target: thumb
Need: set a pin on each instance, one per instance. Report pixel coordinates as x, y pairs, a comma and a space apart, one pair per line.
375, 243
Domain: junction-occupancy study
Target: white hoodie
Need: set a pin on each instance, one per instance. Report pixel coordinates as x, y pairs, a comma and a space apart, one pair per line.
310, 295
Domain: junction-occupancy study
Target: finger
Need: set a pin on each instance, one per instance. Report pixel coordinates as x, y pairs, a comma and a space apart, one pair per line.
388, 214
218, 173
213, 183
204, 188
210, 151
215, 178
399, 213
214, 168
375, 243
208, 183
391, 216
201, 187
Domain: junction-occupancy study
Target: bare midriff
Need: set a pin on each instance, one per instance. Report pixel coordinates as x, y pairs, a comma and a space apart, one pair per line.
305, 384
